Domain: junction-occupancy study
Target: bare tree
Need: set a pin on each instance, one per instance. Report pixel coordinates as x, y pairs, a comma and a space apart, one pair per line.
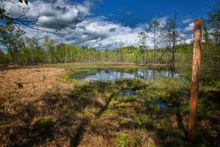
154, 27
120, 45
143, 46
171, 33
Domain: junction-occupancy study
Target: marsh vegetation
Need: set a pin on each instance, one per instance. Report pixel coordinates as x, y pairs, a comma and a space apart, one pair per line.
107, 112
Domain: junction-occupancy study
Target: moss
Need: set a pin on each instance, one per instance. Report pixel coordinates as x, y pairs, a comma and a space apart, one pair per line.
162, 123
42, 123
151, 145
89, 112
136, 140
42, 130
122, 140
142, 119
69, 111
184, 108
155, 107
126, 99
95, 127
127, 123
112, 112
130, 84
139, 110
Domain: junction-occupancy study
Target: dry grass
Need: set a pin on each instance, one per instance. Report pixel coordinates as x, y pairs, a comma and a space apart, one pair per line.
38, 108
30, 95
29, 84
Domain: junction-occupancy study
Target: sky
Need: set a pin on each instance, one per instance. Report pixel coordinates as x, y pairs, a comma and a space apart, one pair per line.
106, 24
131, 12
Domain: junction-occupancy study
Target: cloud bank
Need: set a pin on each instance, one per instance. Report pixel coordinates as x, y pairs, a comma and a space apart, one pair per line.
74, 23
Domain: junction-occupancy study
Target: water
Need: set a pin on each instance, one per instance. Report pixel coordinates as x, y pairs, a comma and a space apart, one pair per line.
128, 92
145, 74
163, 105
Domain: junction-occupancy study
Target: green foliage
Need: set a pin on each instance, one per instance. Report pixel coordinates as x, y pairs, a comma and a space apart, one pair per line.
143, 48
23, 50
137, 140
122, 140
142, 119
214, 21
25, 56
3, 58
12, 39
2, 11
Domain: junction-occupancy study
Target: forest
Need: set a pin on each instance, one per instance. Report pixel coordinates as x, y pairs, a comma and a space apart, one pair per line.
154, 92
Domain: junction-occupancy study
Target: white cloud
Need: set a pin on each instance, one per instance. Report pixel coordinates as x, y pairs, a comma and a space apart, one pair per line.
187, 20
189, 27
72, 23
162, 21
55, 14
99, 33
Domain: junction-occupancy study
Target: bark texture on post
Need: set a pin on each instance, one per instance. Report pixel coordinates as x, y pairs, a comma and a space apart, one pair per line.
195, 77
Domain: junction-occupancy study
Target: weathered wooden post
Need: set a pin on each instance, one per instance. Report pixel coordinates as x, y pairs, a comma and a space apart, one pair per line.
195, 77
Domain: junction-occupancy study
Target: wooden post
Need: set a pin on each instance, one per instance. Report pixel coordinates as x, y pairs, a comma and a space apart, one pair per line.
195, 77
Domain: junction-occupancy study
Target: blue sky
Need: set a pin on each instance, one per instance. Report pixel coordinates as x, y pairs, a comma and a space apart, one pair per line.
132, 12
106, 24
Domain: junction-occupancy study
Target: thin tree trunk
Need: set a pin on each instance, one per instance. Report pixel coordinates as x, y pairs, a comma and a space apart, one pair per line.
145, 56
195, 77
163, 53
154, 46
174, 42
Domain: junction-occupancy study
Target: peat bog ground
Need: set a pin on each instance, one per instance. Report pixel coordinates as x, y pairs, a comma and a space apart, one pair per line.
42, 106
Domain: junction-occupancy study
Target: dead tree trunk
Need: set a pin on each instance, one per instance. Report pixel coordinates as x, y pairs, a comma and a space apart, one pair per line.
174, 37
195, 77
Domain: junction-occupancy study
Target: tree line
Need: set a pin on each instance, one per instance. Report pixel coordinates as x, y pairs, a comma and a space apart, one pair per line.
168, 46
